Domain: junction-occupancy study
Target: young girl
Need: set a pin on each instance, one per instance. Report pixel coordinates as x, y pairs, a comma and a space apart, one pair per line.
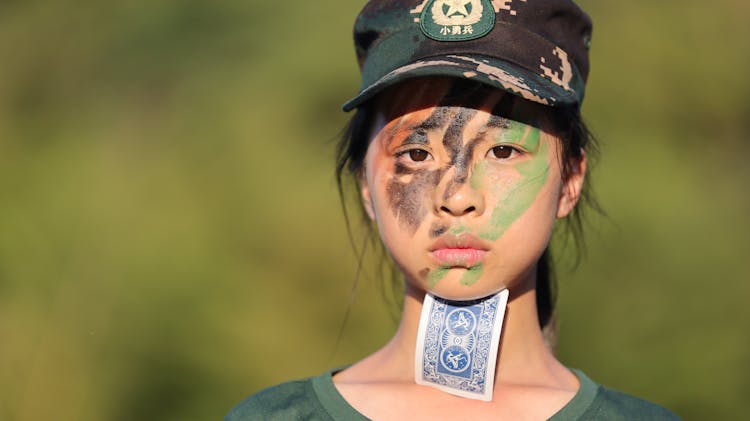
467, 145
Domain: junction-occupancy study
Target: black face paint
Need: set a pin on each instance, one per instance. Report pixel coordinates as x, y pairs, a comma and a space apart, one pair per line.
407, 198
462, 162
468, 101
453, 140
498, 122
436, 230
503, 107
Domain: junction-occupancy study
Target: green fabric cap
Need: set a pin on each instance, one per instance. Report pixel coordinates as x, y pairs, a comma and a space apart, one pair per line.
536, 49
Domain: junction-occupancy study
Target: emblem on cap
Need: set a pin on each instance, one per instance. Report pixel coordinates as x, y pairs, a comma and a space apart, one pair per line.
457, 20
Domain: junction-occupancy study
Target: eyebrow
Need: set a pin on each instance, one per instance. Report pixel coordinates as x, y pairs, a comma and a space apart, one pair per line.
498, 122
418, 136
503, 107
436, 120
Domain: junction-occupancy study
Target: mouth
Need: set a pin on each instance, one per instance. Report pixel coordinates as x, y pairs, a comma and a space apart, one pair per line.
461, 251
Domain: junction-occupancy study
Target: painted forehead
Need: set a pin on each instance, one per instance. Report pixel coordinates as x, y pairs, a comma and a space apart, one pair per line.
436, 102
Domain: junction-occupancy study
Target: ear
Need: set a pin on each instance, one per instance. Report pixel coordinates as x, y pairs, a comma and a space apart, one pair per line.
364, 189
571, 188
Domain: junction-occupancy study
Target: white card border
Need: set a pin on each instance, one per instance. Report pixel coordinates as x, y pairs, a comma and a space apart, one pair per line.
497, 328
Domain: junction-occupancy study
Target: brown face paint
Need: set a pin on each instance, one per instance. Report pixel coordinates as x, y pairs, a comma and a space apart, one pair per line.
407, 188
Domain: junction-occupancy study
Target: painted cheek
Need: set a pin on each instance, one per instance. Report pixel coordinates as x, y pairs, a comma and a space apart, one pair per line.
516, 197
477, 180
515, 190
408, 194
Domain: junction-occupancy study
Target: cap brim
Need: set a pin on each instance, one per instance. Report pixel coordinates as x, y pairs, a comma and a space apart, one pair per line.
491, 71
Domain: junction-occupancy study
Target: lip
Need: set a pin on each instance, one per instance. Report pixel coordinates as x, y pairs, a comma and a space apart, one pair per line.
463, 250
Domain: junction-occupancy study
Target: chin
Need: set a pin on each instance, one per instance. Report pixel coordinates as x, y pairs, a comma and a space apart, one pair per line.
461, 284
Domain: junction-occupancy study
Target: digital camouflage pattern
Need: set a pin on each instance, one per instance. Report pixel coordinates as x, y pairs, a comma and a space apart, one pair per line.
536, 49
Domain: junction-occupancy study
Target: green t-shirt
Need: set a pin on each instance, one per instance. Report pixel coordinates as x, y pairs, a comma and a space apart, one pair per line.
316, 398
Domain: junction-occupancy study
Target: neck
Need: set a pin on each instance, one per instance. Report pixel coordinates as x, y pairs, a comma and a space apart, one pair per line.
523, 355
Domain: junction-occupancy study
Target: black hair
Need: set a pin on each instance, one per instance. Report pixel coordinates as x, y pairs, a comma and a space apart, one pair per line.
576, 140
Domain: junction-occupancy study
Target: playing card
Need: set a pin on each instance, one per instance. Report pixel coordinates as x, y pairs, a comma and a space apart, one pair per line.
457, 344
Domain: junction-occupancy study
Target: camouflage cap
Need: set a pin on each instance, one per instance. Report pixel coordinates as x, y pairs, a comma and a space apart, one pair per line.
536, 49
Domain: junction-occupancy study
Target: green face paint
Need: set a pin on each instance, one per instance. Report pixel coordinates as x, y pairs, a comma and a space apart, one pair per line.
435, 276
458, 230
478, 174
522, 135
512, 201
472, 275
534, 173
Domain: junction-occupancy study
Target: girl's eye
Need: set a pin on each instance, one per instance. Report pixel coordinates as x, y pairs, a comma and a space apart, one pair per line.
413, 156
503, 151
418, 155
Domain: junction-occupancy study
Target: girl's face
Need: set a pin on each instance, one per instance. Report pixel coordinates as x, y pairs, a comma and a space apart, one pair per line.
464, 198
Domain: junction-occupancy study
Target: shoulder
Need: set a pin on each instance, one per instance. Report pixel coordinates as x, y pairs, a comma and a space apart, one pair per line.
596, 402
286, 401
613, 405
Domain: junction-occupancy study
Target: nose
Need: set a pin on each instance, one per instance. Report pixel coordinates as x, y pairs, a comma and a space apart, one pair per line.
459, 199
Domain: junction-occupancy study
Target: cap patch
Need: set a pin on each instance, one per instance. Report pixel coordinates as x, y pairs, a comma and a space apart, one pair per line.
457, 20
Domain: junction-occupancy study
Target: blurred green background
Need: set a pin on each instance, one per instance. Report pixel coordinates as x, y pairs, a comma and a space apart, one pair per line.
171, 238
